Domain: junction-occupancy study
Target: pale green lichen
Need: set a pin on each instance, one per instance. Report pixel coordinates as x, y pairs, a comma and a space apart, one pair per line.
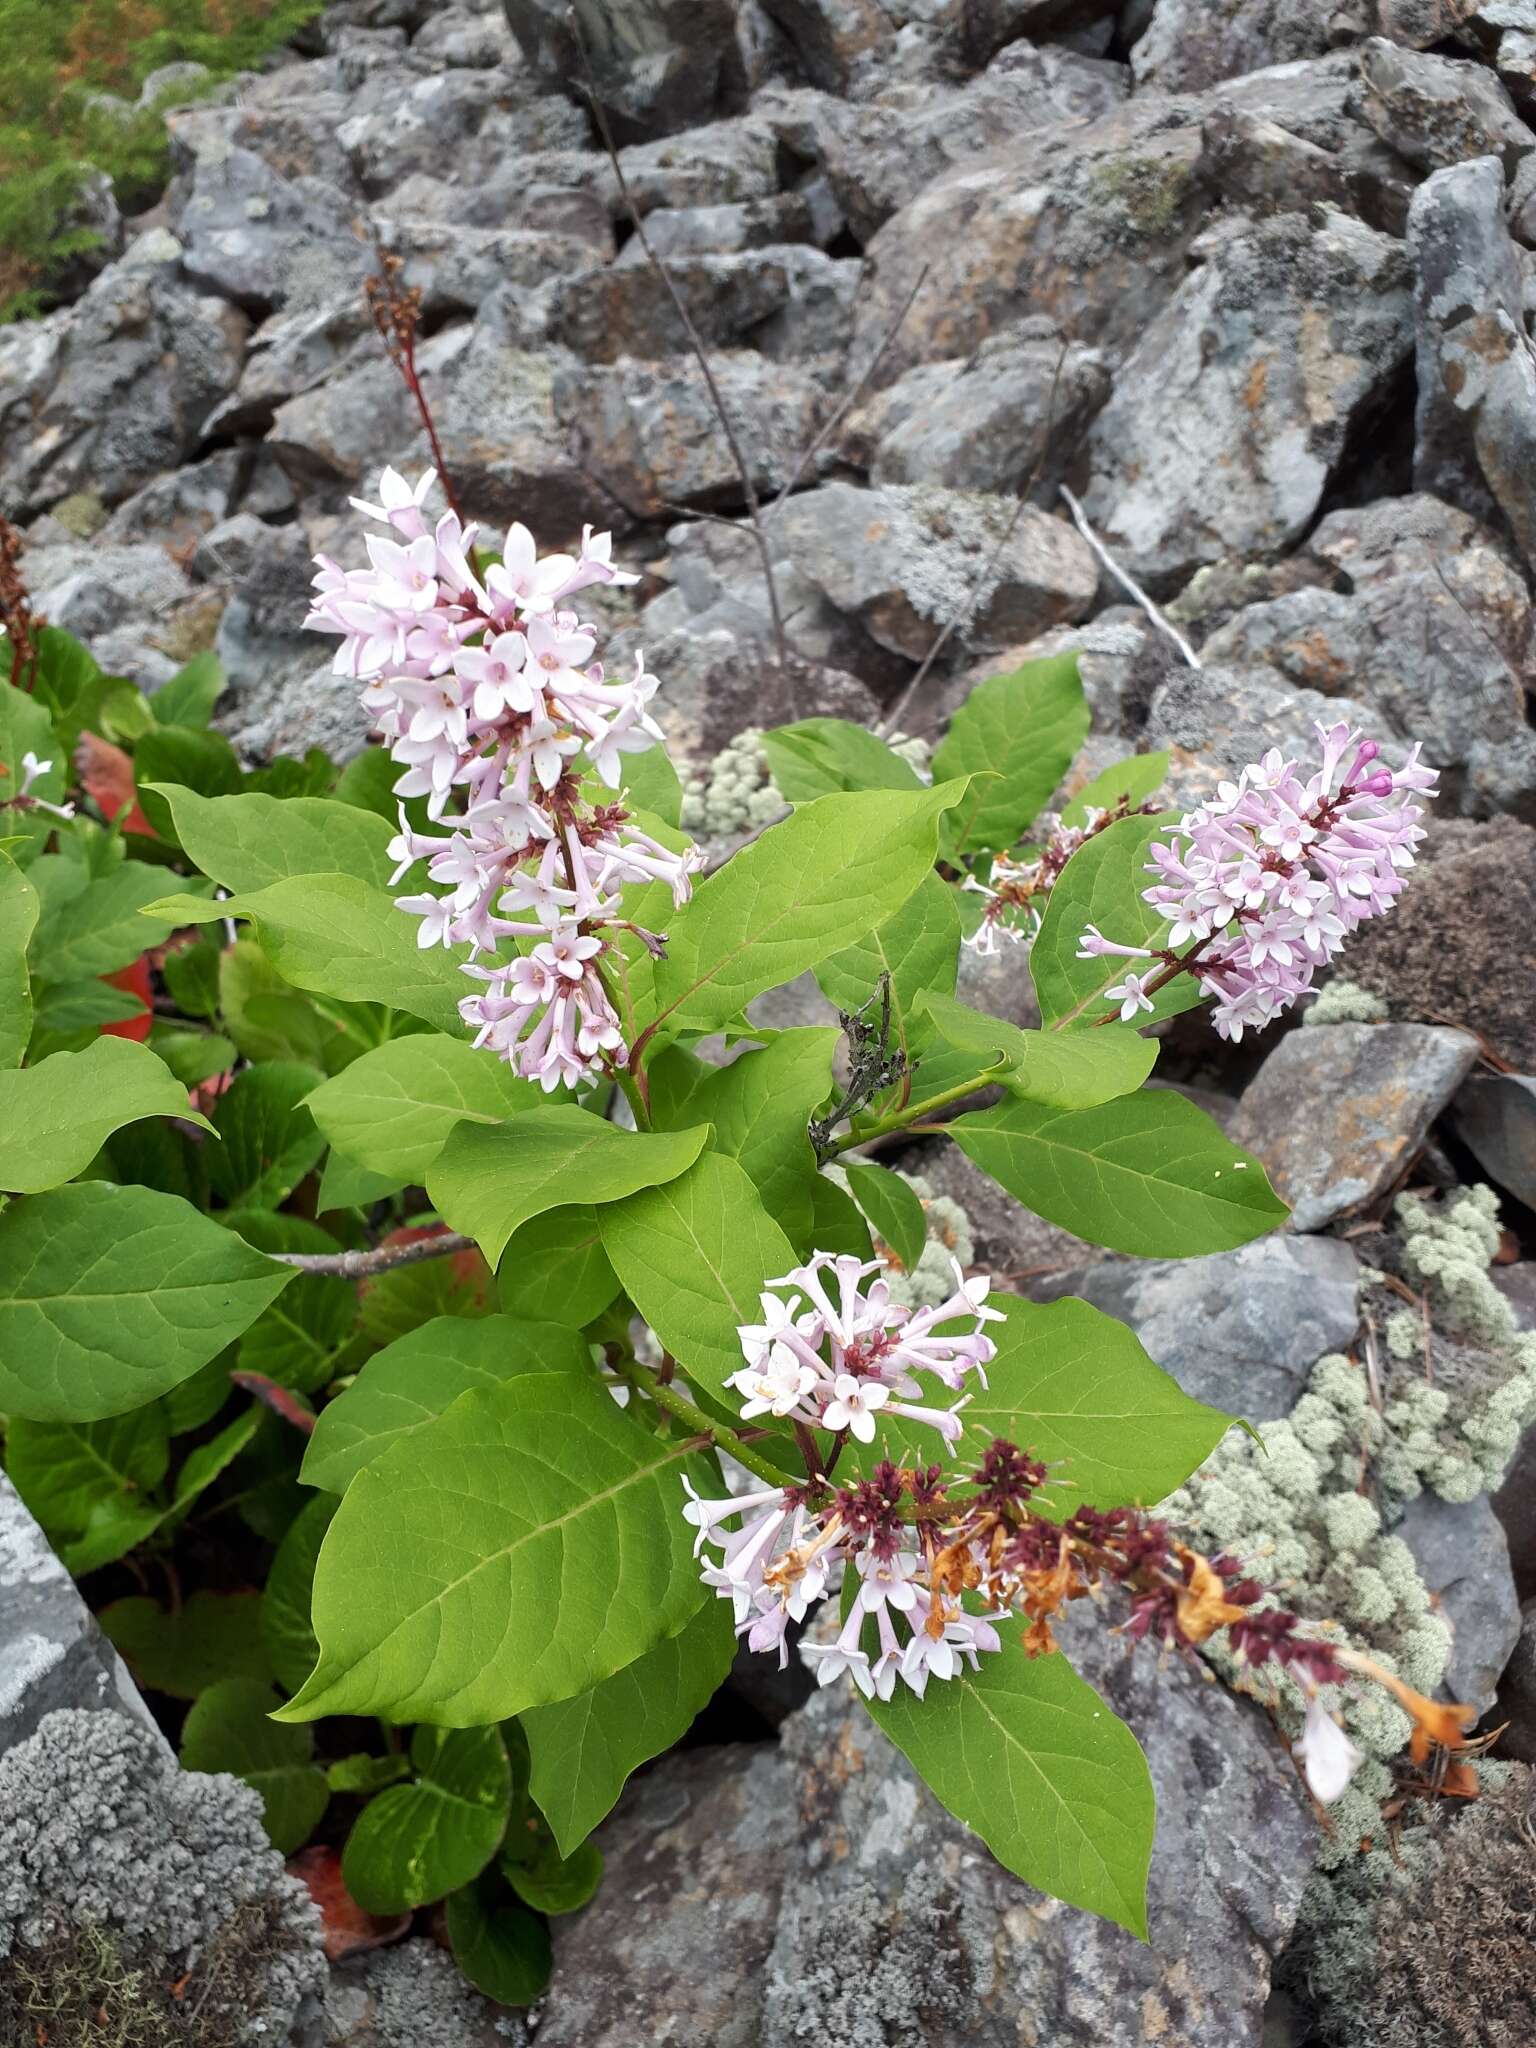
735, 794
1345, 1002
932, 1279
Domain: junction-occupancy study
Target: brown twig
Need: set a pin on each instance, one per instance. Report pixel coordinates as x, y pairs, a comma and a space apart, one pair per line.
363, 1265
695, 341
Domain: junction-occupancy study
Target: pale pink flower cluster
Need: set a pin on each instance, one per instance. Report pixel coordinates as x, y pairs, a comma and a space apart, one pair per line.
486, 690
1267, 881
834, 1355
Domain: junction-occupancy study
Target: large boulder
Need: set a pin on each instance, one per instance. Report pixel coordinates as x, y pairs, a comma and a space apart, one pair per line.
658, 65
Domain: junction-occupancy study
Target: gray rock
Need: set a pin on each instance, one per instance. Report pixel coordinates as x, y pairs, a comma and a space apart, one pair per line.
1495, 1118
261, 644
628, 309
413, 1996
1240, 1330
291, 353
245, 229
843, 45
1021, 1250
674, 231
1370, 1093
1475, 430
659, 65
1517, 1695
465, 38
130, 603
1217, 718
1436, 111
52, 1654
170, 85
1227, 421
716, 165
412, 125
1462, 1554
1190, 44
93, 215
455, 268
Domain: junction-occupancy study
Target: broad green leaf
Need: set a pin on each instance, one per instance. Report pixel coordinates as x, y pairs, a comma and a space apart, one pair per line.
395, 1303
346, 1184
502, 1948
54, 1117
337, 936
198, 1400
192, 1056
266, 1019
818, 756
693, 1257
26, 728
554, 1884
416, 1843
837, 1222
520, 1548
1025, 729
1130, 781
824, 878
1075, 1070
295, 1339
919, 948
1073, 1386
106, 925
489, 1179
651, 784
366, 1774
892, 1206
189, 696
392, 1108
1033, 1761
184, 759
291, 779
555, 1269
205, 1463
110, 1295
18, 920
269, 1137
1102, 885
245, 842
192, 977
1149, 1174
414, 1379
287, 1633
213, 1636
89, 1484
583, 1749
228, 1729
62, 1009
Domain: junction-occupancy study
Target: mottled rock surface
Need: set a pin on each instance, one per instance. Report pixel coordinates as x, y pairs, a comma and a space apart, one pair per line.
1463, 1558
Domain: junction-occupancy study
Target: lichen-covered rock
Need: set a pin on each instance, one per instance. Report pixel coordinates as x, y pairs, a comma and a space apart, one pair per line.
413, 1996
1218, 718
794, 301
1435, 111
1371, 1092
1190, 44
1495, 1117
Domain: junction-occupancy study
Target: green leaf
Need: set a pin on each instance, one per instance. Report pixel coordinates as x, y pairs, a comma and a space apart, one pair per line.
416, 1843
246, 842
693, 1257
290, 779
65, 1008
651, 784
1102, 885
198, 1399
266, 1019
110, 1295
502, 1948
555, 1884
182, 759
1075, 1070
395, 1303
337, 936
892, 1207
1149, 1174
192, 977
189, 696
919, 948
26, 728
825, 877
214, 1636
105, 926
525, 1545
228, 1729
296, 1338
55, 1117
1025, 728
192, 1056
88, 1484
287, 1633
583, 1749
18, 920
1130, 781
414, 1379
270, 1140
818, 756
392, 1108
346, 1184
837, 1222
1033, 1761
555, 1269
366, 1774
489, 1179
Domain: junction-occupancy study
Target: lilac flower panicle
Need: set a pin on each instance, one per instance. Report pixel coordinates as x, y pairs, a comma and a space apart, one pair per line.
486, 690
1263, 884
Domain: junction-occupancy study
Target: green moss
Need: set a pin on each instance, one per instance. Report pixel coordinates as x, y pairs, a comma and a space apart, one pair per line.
1144, 195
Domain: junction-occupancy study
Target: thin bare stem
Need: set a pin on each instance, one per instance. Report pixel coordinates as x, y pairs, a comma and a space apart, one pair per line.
383, 1259
695, 340
1126, 581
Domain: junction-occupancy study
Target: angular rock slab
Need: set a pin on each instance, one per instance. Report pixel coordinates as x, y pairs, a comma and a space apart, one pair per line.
819, 1892
1495, 1118
1463, 1556
1337, 1113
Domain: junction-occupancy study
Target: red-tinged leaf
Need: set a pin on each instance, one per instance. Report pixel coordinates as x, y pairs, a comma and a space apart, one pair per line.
281, 1400
348, 1930
133, 980
106, 775
207, 1093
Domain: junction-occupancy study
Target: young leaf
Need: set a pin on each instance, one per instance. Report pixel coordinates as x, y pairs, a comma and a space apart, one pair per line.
1130, 781
269, 1137
414, 1379
110, 1295
192, 977
651, 784
347, 1184
819, 756
213, 1636
1149, 1174
106, 926
205, 1463
523, 1546
489, 1179
192, 1056
583, 1749
87, 1483
554, 1270
1024, 728
892, 1207
416, 1843
245, 842
1068, 1071
18, 920
287, 1633
555, 1884
366, 1774
55, 1117
807, 889
391, 1109
227, 1729
501, 1947
1031, 1759
189, 696
919, 948
1102, 885
693, 1257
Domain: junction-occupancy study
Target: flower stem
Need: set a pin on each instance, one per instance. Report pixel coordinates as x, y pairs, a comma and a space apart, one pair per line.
677, 1404
903, 1119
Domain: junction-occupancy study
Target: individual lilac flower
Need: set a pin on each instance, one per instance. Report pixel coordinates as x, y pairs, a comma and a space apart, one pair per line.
1131, 995
497, 671
831, 1660
399, 503
777, 1386
523, 583
854, 1405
